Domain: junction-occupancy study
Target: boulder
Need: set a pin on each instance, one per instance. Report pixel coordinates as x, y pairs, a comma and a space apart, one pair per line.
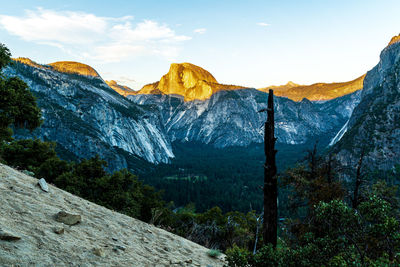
43, 185
67, 218
8, 236
58, 230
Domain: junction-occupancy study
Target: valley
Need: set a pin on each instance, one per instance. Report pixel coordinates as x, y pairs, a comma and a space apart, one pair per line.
200, 133
156, 134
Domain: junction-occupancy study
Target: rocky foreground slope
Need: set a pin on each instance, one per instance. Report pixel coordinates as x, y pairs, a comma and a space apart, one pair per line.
30, 235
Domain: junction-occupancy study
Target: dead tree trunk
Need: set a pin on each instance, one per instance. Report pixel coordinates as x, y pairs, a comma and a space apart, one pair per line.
358, 181
329, 169
270, 222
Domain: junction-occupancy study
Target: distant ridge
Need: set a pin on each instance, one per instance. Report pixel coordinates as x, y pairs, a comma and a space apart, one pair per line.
71, 67
317, 91
74, 68
195, 83
28, 61
121, 89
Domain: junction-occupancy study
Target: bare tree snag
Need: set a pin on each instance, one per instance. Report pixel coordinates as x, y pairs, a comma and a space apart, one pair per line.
358, 181
270, 222
329, 169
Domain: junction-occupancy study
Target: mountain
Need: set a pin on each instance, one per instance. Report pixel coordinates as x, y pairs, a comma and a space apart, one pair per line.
193, 107
102, 238
231, 118
189, 81
317, 91
74, 68
86, 117
280, 87
374, 125
70, 67
121, 89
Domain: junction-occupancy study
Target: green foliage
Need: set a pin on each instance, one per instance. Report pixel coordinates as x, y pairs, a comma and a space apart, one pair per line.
214, 253
28, 154
325, 230
267, 256
5, 56
237, 257
120, 191
229, 178
17, 104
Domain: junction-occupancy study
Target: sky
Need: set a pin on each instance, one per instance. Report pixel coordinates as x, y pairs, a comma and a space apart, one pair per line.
248, 43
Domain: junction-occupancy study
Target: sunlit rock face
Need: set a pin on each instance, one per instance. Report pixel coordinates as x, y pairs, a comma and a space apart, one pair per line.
74, 68
70, 67
395, 39
317, 91
28, 61
375, 123
86, 117
189, 81
121, 89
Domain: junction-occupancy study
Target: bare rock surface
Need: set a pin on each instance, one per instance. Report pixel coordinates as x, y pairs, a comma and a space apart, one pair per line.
68, 218
102, 238
43, 185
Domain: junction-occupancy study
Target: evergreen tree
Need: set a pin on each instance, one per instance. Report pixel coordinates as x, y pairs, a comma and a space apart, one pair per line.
18, 106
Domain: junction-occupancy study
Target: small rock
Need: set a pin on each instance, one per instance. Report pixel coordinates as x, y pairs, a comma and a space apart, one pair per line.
98, 252
43, 185
58, 230
120, 247
7, 236
67, 218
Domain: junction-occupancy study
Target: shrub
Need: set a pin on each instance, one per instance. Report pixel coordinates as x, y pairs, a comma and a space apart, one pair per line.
214, 253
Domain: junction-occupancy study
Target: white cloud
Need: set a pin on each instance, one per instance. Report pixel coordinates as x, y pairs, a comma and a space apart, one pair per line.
263, 24
116, 52
106, 39
200, 30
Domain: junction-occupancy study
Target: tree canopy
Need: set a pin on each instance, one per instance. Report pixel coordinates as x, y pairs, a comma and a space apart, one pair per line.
18, 106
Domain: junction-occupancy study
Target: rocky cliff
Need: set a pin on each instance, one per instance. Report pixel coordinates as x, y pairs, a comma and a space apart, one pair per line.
375, 123
86, 117
231, 118
31, 234
317, 91
189, 81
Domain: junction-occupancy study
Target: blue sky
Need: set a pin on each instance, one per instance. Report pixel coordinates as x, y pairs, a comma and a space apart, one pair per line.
250, 43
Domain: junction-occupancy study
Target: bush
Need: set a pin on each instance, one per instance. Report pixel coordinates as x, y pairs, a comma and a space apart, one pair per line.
214, 253
237, 257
